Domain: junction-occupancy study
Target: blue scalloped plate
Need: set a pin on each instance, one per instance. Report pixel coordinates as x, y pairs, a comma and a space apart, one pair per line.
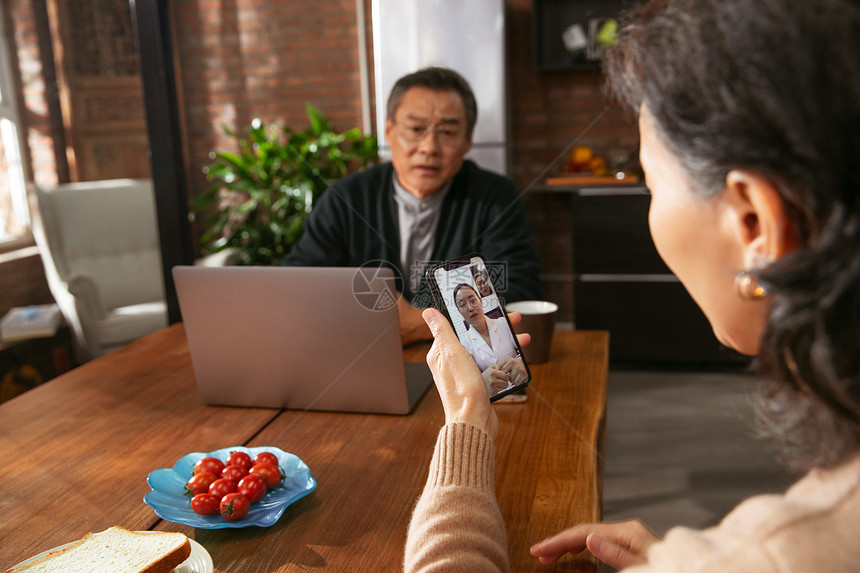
169, 502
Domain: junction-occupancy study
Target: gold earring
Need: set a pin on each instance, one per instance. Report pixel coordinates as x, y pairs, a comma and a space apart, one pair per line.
748, 287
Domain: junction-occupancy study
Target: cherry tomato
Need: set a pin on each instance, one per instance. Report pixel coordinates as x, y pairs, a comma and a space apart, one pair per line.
266, 458
234, 473
221, 487
210, 464
253, 487
240, 459
199, 483
234, 506
206, 504
270, 474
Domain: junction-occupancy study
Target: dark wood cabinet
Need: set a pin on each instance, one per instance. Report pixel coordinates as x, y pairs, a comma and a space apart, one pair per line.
621, 285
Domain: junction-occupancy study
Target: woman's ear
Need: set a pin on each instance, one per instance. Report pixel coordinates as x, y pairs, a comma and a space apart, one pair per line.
758, 218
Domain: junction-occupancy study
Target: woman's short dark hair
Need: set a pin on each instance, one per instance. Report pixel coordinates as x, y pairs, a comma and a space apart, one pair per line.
773, 86
464, 285
438, 79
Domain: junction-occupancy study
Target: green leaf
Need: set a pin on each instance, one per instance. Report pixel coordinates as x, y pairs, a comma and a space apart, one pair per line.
352, 134
263, 189
319, 122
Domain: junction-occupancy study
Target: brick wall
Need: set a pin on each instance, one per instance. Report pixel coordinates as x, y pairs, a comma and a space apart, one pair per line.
245, 59
26, 30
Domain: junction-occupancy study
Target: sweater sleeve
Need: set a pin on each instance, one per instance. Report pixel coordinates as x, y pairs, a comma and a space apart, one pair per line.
457, 525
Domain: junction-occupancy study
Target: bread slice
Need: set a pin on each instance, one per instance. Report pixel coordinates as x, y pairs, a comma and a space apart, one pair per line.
117, 550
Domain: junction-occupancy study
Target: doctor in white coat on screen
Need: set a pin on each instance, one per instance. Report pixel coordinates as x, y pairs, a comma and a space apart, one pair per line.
489, 341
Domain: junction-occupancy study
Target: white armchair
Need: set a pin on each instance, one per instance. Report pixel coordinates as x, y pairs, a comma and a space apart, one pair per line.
99, 245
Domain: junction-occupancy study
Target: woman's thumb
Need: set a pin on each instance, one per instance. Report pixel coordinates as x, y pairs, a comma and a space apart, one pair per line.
438, 325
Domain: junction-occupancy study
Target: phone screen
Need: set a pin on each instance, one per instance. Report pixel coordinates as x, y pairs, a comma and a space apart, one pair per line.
465, 292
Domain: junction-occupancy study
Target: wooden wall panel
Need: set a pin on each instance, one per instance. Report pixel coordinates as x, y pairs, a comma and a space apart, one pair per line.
100, 89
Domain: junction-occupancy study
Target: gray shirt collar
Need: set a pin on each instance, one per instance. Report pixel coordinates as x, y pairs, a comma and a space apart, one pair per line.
413, 203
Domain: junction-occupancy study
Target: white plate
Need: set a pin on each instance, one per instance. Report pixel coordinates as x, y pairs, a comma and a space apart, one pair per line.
199, 561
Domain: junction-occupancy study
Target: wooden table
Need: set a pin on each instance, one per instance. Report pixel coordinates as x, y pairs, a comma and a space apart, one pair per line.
76, 451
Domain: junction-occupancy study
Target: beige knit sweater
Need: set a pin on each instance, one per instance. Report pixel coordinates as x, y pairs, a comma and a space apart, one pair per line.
456, 525
814, 527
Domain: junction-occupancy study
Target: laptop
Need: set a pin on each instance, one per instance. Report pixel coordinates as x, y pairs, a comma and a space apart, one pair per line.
303, 338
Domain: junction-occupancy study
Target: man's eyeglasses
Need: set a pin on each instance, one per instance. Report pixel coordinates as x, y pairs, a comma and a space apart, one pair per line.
469, 302
447, 135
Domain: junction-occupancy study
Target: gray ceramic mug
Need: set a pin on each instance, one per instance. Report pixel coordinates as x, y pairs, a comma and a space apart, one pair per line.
538, 320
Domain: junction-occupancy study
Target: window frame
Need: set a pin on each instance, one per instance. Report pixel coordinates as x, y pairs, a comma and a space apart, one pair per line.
9, 111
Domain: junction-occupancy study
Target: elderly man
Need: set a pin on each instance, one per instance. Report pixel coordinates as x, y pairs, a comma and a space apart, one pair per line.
428, 204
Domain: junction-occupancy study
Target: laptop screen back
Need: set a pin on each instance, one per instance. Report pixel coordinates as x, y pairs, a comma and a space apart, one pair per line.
295, 337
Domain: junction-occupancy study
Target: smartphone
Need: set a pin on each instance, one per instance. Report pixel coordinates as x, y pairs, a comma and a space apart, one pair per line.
465, 293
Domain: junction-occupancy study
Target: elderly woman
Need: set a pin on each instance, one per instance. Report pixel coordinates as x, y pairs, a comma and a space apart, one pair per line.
749, 117
489, 341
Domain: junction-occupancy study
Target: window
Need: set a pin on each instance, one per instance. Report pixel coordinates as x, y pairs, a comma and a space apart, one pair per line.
14, 215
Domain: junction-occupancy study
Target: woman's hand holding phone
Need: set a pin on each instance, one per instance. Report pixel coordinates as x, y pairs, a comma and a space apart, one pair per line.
463, 291
460, 384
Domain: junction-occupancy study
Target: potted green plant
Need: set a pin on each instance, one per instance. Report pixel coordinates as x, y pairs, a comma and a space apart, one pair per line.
263, 192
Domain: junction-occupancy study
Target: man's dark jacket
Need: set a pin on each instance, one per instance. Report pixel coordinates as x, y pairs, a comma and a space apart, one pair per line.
355, 223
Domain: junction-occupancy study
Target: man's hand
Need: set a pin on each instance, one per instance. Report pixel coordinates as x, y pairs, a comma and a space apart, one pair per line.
461, 386
412, 326
619, 545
